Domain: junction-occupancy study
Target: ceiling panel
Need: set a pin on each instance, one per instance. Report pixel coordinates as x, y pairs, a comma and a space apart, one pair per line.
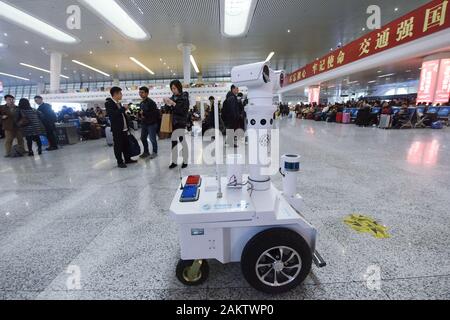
316, 27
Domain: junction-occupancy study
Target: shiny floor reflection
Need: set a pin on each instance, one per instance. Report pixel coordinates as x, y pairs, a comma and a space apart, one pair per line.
73, 210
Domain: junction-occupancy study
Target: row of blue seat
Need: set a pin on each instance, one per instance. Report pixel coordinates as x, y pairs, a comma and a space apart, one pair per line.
442, 112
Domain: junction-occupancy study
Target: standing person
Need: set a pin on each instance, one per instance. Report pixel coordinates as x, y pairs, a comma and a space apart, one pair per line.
230, 113
9, 113
179, 104
150, 119
49, 119
32, 127
119, 127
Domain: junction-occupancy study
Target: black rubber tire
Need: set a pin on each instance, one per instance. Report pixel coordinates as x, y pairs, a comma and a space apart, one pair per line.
181, 267
267, 240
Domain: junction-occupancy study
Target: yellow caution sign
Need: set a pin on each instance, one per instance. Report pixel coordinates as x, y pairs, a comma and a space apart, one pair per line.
364, 224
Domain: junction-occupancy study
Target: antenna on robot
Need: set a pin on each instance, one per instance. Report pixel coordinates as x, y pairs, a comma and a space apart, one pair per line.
181, 179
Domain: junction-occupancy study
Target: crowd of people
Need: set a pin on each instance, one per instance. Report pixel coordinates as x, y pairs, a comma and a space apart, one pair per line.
367, 113
149, 117
22, 122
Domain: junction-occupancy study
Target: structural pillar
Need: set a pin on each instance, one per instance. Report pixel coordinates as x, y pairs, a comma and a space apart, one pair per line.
40, 88
186, 49
55, 71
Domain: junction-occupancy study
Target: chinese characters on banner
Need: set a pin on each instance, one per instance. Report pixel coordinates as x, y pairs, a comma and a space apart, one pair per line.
443, 83
427, 86
424, 21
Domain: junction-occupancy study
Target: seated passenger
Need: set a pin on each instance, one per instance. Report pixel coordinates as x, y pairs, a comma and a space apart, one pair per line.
364, 118
401, 117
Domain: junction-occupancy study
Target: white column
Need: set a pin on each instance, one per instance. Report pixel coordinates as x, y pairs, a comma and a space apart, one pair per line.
40, 88
55, 71
280, 97
187, 51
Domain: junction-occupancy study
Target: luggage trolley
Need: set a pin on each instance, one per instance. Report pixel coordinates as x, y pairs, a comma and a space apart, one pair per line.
251, 222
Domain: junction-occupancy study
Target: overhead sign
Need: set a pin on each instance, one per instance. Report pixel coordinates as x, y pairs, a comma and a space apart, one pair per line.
424, 21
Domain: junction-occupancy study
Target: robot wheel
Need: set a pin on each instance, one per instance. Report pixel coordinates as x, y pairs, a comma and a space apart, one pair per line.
192, 272
276, 261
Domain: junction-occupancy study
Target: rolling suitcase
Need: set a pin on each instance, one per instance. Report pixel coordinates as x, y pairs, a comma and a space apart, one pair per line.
109, 136
385, 121
339, 117
346, 118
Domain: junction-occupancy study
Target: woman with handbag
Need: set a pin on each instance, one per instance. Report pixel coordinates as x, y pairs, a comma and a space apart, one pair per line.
179, 104
31, 125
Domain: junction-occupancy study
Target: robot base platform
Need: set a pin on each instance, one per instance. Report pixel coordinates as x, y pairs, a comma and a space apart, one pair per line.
260, 229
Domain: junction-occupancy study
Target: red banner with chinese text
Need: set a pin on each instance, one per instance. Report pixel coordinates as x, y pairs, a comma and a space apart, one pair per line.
424, 21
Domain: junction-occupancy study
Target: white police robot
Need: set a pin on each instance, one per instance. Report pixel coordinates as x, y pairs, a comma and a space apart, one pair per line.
251, 222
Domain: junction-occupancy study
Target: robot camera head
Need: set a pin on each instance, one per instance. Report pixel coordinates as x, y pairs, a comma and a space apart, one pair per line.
258, 75
251, 75
279, 77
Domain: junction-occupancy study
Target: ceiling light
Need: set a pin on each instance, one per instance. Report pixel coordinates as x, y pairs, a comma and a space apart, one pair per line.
114, 14
373, 81
29, 22
237, 16
386, 75
396, 9
90, 52
270, 56
13, 76
42, 48
40, 69
194, 64
143, 66
408, 71
289, 30
42, 77
27, 42
92, 68
101, 37
5, 34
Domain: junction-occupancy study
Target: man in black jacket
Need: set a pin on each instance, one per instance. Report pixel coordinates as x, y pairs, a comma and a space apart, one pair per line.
119, 127
150, 116
49, 118
230, 113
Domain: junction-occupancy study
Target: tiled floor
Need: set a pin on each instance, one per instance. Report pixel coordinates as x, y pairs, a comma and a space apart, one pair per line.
74, 208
